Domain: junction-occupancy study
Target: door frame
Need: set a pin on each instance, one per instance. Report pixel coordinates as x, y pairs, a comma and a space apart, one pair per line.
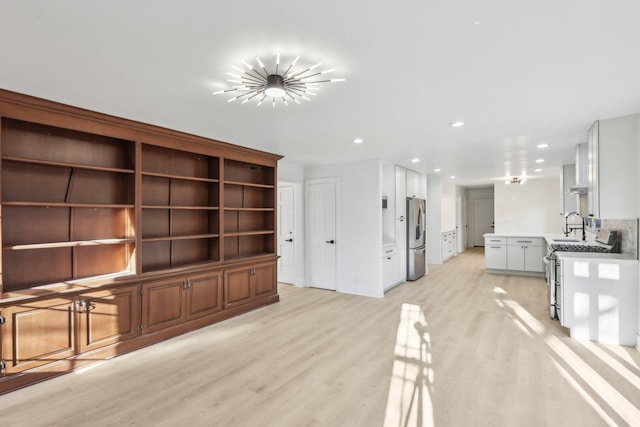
294, 226
299, 230
307, 230
473, 220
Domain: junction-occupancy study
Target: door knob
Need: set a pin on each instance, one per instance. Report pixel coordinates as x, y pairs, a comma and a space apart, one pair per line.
330, 241
289, 240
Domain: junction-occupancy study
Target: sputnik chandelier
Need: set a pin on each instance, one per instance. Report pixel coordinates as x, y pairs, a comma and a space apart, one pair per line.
261, 84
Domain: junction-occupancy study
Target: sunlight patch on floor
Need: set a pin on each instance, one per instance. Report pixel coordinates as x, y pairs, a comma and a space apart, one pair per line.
612, 363
409, 399
597, 385
567, 376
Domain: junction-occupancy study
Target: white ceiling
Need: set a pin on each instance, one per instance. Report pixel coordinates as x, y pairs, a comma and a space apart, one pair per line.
518, 73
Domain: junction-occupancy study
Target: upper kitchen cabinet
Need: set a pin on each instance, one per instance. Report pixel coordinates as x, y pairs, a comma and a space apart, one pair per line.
613, 168
416, 187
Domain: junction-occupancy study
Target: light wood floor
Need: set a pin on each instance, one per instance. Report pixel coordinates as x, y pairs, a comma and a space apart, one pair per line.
456, 348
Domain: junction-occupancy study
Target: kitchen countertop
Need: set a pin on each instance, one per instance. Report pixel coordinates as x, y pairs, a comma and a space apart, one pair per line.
561, 239
596, 255
512, 235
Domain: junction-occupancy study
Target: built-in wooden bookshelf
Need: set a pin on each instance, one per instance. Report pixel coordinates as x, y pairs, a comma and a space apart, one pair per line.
180, 208
117, 234
248, 210
67, 210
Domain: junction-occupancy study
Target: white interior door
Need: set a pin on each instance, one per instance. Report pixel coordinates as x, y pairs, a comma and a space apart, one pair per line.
482, 220
286, 238
321, 222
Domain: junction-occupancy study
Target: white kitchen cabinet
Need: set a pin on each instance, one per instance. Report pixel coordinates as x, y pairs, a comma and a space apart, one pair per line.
495, 253
599, 298
514, 254
495, 257
525, 254
390, 266
448, 245
413, 184
613, 147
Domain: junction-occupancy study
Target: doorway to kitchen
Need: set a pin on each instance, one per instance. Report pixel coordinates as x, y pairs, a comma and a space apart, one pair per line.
483, 219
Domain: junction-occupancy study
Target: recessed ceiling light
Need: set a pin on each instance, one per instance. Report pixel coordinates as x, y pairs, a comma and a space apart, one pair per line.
415, 160
452, 177
437, 170
539, 160
456, 124
545, 145
358, 141
538, 170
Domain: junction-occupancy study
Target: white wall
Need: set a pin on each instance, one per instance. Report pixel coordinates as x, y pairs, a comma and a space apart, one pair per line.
293, 174
532, 207
360, 242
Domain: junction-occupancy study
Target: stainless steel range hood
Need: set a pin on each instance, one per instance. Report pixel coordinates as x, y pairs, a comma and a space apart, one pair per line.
582, 170
578, 189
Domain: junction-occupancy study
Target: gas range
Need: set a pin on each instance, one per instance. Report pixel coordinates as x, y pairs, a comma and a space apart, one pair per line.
568, 247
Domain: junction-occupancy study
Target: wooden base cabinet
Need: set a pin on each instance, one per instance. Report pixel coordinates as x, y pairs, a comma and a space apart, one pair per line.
170, 302
245, 284
107, 317
36, 333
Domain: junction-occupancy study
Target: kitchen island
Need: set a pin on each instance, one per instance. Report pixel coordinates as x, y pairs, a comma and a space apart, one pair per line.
520, 254
599, 297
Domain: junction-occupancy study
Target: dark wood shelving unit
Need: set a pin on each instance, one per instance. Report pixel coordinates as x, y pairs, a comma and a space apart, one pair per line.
180, 208
117, 234
66, 213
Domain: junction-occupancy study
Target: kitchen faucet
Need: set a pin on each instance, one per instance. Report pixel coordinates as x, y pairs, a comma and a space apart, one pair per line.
568, 229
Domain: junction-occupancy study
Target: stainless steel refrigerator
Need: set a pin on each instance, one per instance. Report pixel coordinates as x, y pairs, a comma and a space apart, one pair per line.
416, 238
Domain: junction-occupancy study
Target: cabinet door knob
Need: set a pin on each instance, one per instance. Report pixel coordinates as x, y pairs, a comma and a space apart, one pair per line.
289, 240
330, 241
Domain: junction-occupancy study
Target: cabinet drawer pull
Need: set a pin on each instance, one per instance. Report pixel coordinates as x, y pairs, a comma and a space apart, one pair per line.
496, 247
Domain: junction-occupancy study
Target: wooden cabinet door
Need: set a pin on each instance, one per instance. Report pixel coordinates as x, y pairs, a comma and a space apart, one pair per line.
107, 317
163, 304
264, 279
36, 333
237, 286
205, 295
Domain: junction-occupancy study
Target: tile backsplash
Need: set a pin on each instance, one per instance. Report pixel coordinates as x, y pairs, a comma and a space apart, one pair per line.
627, 230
